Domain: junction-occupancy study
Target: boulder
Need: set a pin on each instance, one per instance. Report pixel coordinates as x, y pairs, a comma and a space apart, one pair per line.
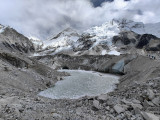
136, 101
156, 101
118, 108
139, 117
126, 102
56, 115
96, 104
79, 111
136, 106
147, 104
150, 94
149, 116
103, 97
137, 111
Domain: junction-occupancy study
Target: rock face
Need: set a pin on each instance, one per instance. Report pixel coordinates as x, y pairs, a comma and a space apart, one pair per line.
146, 40
129, 41
126, 38
13, 41
119, 109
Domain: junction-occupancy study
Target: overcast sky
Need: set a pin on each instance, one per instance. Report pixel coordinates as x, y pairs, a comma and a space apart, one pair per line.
42, 18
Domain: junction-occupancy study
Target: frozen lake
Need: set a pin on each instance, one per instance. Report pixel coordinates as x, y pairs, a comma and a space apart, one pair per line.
81, 83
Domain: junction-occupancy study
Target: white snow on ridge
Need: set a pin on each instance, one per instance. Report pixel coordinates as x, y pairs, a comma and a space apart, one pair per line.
38, 44
114, 53
105, 33
63, 39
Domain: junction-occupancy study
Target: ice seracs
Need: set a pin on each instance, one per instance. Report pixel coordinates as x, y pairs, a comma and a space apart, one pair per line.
104, 34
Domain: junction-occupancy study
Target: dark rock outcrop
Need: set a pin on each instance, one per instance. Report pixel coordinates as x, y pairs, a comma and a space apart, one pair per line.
84, 43
126, 38
129, 42
144, 40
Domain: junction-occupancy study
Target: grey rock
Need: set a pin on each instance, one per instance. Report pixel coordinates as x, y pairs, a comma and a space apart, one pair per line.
107, 108
156, 101
136, 101
120, 117
137, 111
103, 97
150, 94
147, 104
79, 111
96, 104
128, 114
149, 116
136, 106
126, 102
56, 115
139, 117
118, 108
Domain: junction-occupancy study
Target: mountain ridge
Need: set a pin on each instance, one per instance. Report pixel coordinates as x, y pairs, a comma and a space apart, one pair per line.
97, 40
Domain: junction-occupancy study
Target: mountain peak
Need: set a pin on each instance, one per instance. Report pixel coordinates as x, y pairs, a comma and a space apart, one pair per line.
65, 33
2, 28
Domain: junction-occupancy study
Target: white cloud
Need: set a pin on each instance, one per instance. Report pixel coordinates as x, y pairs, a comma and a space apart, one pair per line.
42, 18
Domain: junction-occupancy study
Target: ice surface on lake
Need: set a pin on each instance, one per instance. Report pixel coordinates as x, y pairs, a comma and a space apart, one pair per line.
81, 83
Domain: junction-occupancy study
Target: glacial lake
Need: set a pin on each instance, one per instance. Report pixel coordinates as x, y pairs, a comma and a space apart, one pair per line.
81, 83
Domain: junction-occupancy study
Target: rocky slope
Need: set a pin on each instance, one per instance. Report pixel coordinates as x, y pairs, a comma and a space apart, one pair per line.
13, 41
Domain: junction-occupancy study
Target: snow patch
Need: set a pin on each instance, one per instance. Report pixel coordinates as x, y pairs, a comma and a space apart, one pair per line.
104, 52
114, 53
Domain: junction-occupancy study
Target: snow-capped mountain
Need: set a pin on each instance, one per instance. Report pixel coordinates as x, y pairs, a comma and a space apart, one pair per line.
65, 38
62, 42
97, 40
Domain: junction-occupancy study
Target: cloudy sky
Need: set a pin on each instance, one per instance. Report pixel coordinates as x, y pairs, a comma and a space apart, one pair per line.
43, 18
